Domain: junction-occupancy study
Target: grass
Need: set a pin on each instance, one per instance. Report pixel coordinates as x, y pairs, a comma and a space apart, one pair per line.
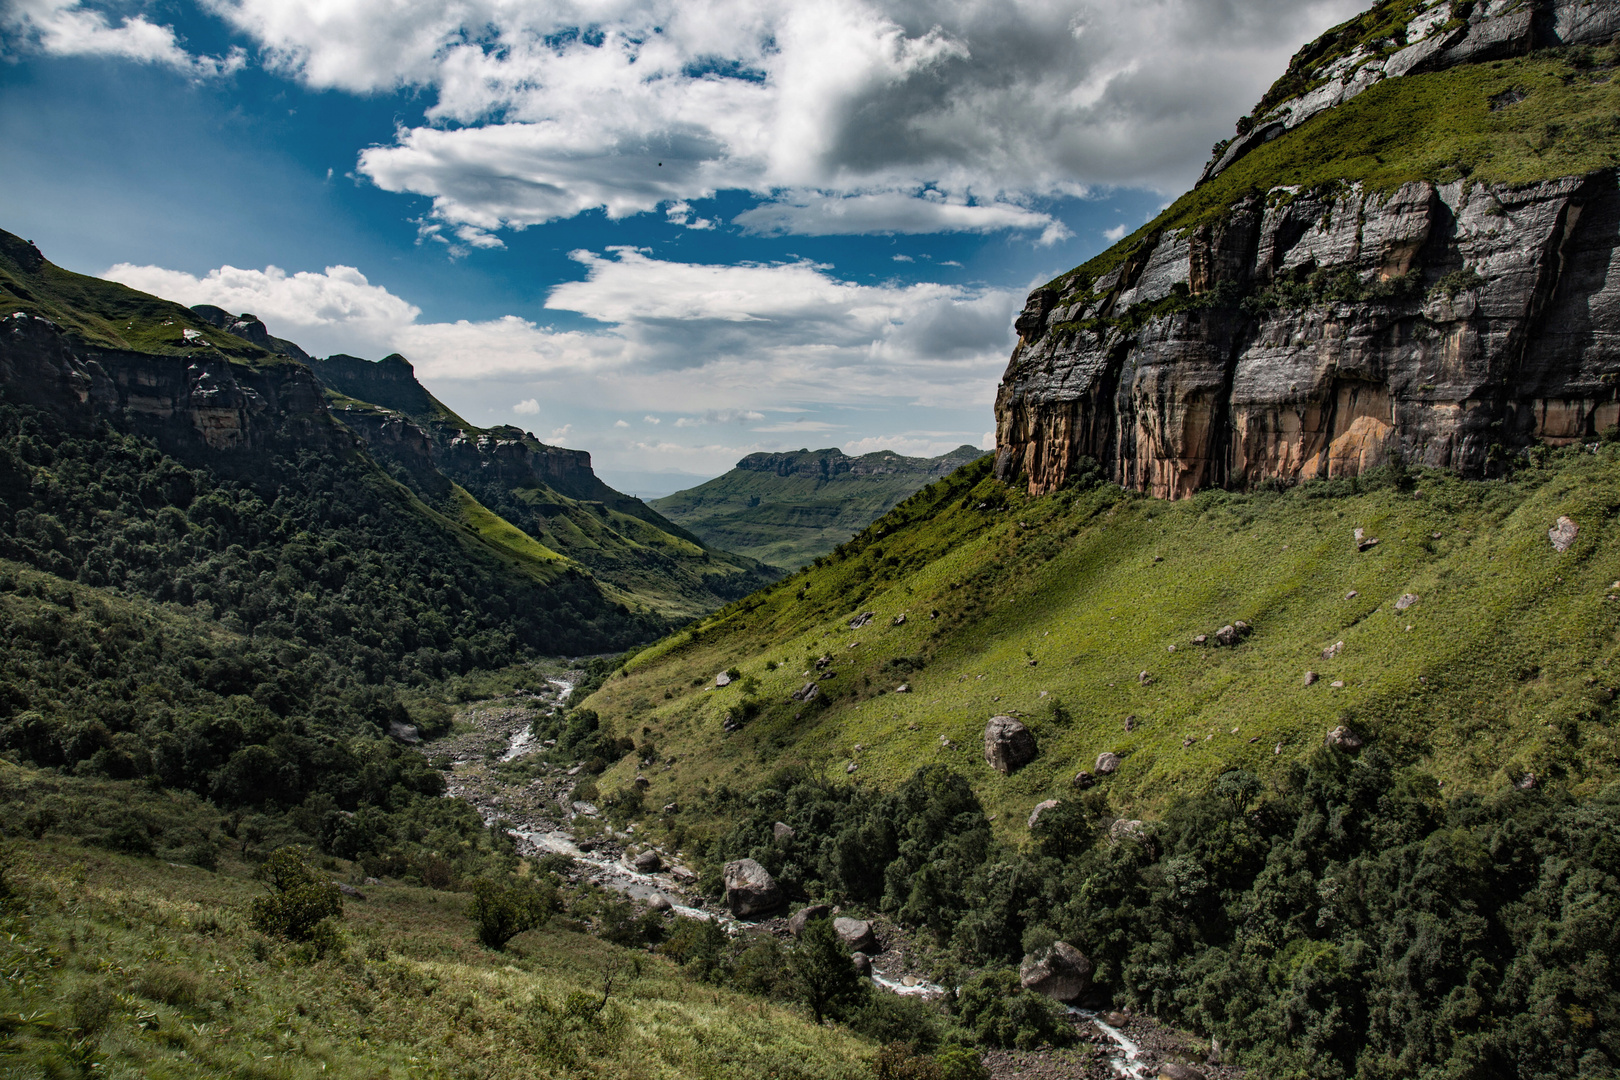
1438, 127
1050, 608
120, 966
110, 315
498, 532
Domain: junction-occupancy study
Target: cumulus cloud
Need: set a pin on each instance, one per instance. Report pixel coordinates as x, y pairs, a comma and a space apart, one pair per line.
69, 28
846, 115
1114, 235
716, 344
335, 311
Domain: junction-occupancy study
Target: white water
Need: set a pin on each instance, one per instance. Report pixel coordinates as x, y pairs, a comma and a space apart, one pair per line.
1127, 1059
616, 876
922, 989
522, 740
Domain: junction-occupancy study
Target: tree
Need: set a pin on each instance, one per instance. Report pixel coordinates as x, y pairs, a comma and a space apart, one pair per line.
301, 905
824, 976
502, 912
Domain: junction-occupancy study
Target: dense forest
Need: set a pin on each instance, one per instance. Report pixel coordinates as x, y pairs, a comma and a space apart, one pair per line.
1352, 920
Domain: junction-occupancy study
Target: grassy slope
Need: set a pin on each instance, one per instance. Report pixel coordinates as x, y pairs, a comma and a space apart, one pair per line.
193, 992
640, 559
110, 315
788, 521
1438, 127
1506, 667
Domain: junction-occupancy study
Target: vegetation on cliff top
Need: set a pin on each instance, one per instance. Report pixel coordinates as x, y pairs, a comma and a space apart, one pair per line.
1516, 121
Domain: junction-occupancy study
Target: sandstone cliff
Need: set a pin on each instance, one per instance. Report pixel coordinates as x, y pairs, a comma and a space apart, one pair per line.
1316, 331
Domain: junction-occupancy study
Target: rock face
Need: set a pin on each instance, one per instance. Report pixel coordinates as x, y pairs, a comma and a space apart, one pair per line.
750, 890
856, 934
1488, 314
1008, 745
1062, 972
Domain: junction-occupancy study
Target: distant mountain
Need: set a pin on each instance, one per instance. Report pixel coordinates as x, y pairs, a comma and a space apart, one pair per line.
786, 509
548, 492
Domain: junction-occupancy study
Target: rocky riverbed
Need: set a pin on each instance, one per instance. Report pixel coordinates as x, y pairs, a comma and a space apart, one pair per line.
492, 765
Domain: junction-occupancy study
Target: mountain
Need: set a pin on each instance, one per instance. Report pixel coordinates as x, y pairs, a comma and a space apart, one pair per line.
786, 509
1404, 255
549, 493
1271, 662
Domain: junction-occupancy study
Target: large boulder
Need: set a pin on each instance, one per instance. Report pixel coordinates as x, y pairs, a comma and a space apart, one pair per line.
1107, 762
1061, 972
750, 889
648, 862
1344, 738
856, 934
1008, 745
804, 916
782, 832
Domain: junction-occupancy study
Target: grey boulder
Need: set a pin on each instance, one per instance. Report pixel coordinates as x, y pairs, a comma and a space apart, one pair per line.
750, 889
1061, 972
1041, 808
856, 934
804, 916
1008, 745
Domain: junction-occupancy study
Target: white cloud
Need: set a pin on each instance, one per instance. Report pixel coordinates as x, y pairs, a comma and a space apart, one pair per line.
68, 28
335, 311
904, 258
559, 435
651, 420
820, 214
529, 407
620, 424
913, 444
988, 442
1115, 234
720, 416
847, 115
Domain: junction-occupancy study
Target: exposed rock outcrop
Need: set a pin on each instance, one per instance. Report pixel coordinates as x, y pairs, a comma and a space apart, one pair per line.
1472, 317
1008, 745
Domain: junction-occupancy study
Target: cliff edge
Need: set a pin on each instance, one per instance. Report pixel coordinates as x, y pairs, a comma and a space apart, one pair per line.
1411, 260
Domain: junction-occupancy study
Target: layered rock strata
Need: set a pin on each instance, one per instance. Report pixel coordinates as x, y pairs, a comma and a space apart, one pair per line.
1490, 318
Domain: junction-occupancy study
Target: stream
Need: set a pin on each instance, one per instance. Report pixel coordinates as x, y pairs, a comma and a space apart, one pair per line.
1127, 1059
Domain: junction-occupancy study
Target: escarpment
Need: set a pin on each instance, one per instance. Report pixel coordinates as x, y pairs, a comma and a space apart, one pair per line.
1311, 330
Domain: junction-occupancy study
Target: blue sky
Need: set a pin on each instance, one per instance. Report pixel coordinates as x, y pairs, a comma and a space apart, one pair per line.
667, 233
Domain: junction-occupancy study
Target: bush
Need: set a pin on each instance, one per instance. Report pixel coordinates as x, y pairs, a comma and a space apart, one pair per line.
502, 912
824, 977
301, 906
997, 1011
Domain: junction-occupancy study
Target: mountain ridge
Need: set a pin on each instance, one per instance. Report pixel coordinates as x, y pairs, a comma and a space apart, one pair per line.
789, 507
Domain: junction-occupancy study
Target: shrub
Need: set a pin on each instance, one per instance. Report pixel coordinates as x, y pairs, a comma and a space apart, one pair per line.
502, 912
824, 978
301, 906
997, 1011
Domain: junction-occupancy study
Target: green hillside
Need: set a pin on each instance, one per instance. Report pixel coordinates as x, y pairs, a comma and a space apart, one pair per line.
547, 494
1051, 609
786, 509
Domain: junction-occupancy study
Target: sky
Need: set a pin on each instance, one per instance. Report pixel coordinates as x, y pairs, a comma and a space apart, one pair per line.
667, 232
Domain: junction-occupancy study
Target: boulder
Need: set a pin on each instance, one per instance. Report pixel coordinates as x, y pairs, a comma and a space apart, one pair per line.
808, 692
862, 619
1333, 650
1083, 779
1008, 745
659, 902
1406, 600
1144, 678
672, 808
750, 889
1171, 1070
722, 679
1127, 830
584, 808
1227, 635
1563, 534
642, 781
1107, 762
782, 832
1061, 972
822, 661
647, 862
1343, 738
903, 688
1367, 544
803, 917
856, 934
1311, 677
862, 964
1526, 782
349, 890
899, 620
405, 733
1041, 808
